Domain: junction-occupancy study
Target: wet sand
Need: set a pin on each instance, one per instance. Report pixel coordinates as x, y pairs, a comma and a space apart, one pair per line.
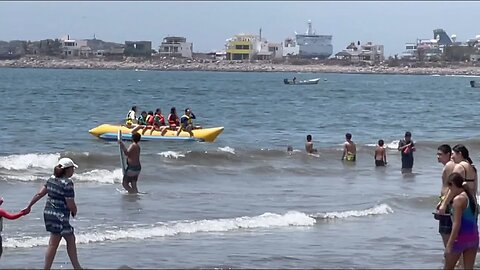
223, 65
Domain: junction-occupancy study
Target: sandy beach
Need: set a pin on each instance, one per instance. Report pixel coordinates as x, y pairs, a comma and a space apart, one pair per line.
222, 65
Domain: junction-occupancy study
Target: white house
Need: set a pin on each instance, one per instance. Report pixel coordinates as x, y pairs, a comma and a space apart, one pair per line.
176, 46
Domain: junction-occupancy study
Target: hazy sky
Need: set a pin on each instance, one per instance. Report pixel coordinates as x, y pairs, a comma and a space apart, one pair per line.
209, 24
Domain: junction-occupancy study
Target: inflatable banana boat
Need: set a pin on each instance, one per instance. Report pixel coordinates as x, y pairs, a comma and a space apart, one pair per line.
110, 132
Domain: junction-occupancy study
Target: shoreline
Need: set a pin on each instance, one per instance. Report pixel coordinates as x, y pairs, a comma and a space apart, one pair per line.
227, 66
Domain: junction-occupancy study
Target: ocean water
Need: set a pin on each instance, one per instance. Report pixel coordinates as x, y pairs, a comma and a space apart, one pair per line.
242, 201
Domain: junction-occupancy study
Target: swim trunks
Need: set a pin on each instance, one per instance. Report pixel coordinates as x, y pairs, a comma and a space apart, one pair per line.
350, 157
445, 222
133, 170
379, 163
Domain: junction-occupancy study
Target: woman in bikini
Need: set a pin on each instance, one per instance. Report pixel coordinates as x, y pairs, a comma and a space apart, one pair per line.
464, 237
464, 167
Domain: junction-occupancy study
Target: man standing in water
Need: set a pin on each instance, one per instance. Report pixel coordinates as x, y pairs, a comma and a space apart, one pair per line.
349, 149
444, 152
309, 145
380, 155
133, 164
406, 146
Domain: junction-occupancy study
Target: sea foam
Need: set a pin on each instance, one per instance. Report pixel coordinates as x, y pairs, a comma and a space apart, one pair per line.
381, 209
172, 154
227, 149
26, 161
172, 228
100, 176
391, 146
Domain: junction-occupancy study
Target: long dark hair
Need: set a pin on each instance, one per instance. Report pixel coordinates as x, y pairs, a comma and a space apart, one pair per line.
457, 180
58, 171
460, 148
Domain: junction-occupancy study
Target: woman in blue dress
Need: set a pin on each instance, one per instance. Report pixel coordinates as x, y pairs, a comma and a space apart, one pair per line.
60, 204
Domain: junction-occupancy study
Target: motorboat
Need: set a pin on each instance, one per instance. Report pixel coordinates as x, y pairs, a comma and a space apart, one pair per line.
304, 82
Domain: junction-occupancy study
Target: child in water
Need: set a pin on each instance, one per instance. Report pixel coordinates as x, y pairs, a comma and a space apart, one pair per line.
5, 214
380, 154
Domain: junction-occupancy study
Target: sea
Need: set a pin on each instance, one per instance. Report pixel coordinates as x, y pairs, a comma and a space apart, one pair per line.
242, 201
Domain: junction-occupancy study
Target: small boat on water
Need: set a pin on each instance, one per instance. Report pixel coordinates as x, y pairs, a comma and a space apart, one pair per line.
110, 132
475, 84
304, 82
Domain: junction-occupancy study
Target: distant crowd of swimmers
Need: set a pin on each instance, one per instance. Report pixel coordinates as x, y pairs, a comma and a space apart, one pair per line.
156, 121
457, 209
406, 146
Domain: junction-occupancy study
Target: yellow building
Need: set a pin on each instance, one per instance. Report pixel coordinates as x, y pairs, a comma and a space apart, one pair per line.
241, 47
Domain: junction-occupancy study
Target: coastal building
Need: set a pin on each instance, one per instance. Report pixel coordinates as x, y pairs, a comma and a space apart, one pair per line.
276, 49
48, 47
269, 51
462, 52
72, 47
138, 49
422, 50
309, 45
290, 47
410, 52
367, 53
474, 42
442, 38
115, 53
176, 46
241, 46
373, 52
86, 48
425, 49
428, 50
252, 47
100, 48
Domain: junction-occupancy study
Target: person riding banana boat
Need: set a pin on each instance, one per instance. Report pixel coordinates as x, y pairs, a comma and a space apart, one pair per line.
186, 122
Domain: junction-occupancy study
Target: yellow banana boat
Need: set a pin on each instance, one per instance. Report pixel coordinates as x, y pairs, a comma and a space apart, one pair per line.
110, 132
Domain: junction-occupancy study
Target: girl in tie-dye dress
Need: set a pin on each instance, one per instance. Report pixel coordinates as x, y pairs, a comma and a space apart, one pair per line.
464, 237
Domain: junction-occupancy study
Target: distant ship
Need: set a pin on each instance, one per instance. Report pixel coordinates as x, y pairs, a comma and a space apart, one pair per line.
310, 45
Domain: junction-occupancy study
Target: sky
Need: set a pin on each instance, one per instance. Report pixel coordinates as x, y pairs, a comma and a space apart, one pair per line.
209, 24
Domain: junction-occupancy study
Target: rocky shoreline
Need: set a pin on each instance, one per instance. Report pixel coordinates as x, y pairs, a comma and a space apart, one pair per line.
233, 66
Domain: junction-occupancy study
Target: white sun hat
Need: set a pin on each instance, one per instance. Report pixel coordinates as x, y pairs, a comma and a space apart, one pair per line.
66, 162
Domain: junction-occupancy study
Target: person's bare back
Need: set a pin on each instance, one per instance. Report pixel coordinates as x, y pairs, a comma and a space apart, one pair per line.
133, 169
133, 157
351, 147
379, 153
309, 148
309, 145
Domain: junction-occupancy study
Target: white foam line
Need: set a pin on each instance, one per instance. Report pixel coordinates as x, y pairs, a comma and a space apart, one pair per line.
23, 162
172, 154
381, 209
266, 220
227, 149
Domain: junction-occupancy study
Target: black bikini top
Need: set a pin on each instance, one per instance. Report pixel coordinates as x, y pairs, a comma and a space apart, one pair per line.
465, 178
